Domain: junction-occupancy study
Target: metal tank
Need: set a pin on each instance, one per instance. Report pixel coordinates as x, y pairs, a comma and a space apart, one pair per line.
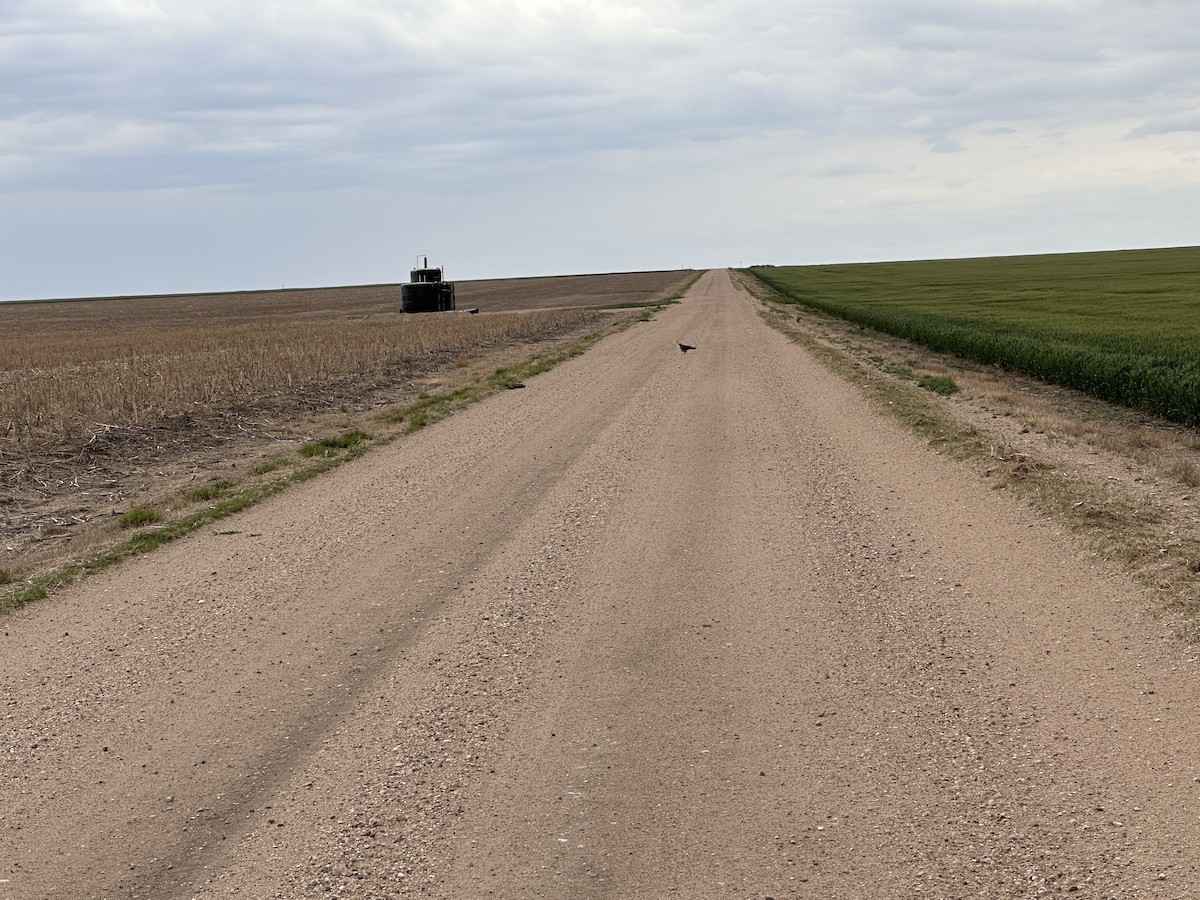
426, 292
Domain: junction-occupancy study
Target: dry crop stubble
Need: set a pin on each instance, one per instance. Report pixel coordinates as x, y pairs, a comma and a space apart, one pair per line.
70, 370
110, 404
132, 379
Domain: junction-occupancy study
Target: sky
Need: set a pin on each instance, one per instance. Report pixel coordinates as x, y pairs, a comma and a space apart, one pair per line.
161, 146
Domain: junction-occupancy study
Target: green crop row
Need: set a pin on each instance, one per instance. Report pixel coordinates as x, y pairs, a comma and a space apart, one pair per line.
1122, 326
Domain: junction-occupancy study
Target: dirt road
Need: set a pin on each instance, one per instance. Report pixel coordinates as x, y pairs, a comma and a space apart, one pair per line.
658, 625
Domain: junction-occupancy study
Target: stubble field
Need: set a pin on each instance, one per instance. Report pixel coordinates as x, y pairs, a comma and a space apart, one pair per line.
107, 404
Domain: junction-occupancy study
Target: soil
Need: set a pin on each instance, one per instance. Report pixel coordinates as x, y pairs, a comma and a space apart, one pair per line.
659, 625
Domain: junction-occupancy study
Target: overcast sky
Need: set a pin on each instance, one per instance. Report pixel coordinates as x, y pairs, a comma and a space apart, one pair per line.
181, 145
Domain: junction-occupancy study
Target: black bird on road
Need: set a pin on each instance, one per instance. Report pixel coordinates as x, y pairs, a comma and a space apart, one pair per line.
686, 347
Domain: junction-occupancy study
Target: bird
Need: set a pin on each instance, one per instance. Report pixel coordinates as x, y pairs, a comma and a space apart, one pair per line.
686, 347
473, 310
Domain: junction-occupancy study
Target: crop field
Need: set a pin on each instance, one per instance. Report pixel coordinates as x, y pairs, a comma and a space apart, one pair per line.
109, 405
116, 378
70, 370
1122, 326
324, 305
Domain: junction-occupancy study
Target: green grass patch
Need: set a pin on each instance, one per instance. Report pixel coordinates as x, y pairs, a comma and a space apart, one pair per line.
268, 466
138, 516
1122, 326
330, 445
899, 371
7, 577
428, 410
939, 384
209, 491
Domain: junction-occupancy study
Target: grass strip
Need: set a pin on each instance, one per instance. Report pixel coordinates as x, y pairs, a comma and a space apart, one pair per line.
151, 539
428, 410
139, 516
330, 445
209, 491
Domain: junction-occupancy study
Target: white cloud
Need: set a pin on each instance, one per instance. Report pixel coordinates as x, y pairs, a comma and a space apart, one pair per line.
953, 104
1170, 124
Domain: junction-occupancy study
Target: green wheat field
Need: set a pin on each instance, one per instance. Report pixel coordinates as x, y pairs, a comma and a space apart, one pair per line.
1123, 326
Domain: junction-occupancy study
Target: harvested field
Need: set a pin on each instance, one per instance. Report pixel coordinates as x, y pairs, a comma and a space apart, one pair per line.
577, 290
118, 378
325, 305
105, 404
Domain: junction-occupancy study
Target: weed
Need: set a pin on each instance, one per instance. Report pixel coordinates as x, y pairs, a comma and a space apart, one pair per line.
209, 491
7, 577
139, 515
268, 466
429, 409
939, 384
1185, 471
326, 446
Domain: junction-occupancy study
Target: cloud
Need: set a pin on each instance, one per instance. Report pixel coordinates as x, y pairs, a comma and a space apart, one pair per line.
607, 103
1171, 124
850, 170
377, 88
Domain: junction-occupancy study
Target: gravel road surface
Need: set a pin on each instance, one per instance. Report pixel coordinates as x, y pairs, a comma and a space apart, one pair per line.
658, 625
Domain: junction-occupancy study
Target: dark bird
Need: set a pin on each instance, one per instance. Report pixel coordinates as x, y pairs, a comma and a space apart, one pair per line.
686, 347
473, 310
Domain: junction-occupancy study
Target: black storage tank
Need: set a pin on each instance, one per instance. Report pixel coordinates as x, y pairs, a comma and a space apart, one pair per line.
426, 291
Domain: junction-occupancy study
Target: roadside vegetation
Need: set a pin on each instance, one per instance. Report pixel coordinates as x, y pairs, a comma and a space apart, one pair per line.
1121, 326
139, 516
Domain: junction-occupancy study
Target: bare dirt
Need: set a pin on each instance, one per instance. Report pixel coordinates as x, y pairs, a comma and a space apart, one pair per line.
659, 625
